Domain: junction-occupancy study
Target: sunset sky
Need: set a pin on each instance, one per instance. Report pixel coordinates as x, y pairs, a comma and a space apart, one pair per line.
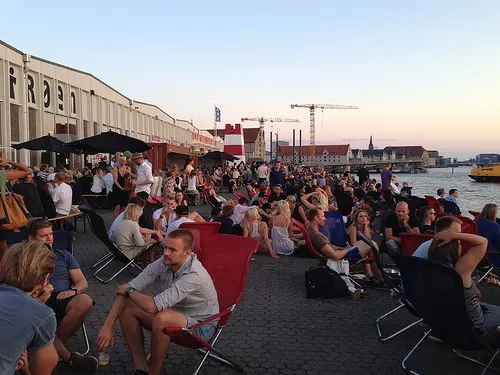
421, 72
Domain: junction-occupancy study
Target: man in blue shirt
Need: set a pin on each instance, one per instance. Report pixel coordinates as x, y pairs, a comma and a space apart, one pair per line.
386, 176
443, 223
68, 301
276, 177
27, 326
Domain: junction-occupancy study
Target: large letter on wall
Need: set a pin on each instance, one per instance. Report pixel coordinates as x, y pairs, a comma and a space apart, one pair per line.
60, 98
31, 89
12, 83
46, 94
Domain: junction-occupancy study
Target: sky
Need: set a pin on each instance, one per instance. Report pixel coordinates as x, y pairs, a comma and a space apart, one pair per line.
421, 72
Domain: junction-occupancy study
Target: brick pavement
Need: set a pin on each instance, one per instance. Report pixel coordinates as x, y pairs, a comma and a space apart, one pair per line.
276, 330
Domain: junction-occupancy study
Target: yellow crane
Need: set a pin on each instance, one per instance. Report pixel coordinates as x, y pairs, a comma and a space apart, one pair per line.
312, 109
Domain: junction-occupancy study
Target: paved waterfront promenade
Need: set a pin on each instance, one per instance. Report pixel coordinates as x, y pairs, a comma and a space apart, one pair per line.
276, 330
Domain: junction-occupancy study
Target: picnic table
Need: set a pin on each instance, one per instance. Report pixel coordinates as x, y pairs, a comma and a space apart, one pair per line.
58, 221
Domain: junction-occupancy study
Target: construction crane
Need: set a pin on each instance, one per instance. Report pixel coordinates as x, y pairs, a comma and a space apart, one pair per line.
312, 109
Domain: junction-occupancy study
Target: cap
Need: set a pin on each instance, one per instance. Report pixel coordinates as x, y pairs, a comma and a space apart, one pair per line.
127, 154
182, 210
278, 185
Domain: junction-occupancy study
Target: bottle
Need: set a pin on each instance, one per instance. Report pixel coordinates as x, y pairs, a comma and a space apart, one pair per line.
104, 358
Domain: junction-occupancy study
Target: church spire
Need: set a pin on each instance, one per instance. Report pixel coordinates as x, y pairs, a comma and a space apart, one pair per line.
370, 146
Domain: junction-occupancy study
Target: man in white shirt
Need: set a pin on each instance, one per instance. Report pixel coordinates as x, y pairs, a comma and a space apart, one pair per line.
262, 173
182, 215
62, 194
239, 210
144, 176
108, 182
165, 215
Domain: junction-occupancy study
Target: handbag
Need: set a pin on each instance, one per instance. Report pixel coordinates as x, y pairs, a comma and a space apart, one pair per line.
13, 212
322, 282
342, 268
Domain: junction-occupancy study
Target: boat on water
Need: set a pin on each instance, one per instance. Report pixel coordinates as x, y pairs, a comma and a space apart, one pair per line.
485, 173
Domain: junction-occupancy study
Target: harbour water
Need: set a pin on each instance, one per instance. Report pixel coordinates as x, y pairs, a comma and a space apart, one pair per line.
472, 195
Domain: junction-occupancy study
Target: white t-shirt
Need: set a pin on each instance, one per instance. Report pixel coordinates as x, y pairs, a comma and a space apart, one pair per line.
236, 174
239, 213
108, 182
171, 218
262, 171
144, 173
191, 183
62, 196
114, 224
97, 185
177, 223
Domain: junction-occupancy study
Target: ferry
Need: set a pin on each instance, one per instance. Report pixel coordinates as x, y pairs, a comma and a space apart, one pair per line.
485, 173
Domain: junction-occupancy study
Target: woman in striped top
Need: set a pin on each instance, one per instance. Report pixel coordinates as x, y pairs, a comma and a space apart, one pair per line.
446, 248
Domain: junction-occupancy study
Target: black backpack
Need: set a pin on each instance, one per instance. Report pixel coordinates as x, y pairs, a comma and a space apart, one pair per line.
322, 282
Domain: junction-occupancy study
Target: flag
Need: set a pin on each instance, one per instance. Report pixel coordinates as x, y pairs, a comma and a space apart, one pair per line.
217, 114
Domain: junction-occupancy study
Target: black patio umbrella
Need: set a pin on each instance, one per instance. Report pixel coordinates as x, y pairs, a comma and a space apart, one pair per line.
109, 142
219, 155
47, 143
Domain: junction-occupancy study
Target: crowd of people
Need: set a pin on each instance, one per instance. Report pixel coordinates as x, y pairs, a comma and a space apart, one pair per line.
44, 289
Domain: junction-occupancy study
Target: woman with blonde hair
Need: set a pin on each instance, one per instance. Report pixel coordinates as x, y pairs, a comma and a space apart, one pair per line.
361, 225
127, 234
281, 229
254, 227
319, 200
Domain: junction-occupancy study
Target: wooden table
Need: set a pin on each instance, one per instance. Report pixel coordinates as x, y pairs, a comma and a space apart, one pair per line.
58, 221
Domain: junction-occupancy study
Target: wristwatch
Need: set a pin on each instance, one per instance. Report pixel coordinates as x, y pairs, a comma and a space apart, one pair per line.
75, 290
128, 291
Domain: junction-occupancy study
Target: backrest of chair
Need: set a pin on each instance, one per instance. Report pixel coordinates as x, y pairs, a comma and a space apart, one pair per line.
411, 241
202, 233
344, 203
307, 238
475, 214
146, 219
433, 202
449, 207
227, 260
335, 223
436, 291
96, 222
62, 240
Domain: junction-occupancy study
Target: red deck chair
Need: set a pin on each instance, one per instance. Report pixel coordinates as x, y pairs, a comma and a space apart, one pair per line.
307, 238
205, 196
227, 261
434, 203
468, 226
475, 214
411, 241
238, 196
202, 234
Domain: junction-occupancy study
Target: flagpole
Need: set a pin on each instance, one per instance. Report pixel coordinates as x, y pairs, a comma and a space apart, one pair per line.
215, 120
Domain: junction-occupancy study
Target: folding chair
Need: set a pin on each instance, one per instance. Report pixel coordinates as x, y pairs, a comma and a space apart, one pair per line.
434, 203
436, 291
321, 258
411, 241
238, 195
202, 234
115, 253
449, 207
394, 285
335, 223
227, 261
475, 214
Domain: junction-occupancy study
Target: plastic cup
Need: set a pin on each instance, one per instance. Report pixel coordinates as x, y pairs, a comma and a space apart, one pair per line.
103, 358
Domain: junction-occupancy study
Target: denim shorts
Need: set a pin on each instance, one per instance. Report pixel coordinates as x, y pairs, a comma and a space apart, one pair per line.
353, 254
206, 331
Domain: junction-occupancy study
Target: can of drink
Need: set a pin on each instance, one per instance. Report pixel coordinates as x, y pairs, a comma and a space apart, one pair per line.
103, 358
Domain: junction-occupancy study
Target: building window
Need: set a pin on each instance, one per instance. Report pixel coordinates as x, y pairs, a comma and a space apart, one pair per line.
14, 123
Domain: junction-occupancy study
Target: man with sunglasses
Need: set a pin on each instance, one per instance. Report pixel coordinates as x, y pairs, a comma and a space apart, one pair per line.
68, 300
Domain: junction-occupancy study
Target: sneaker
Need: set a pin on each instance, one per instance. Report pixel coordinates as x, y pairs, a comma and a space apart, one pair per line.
80, 363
